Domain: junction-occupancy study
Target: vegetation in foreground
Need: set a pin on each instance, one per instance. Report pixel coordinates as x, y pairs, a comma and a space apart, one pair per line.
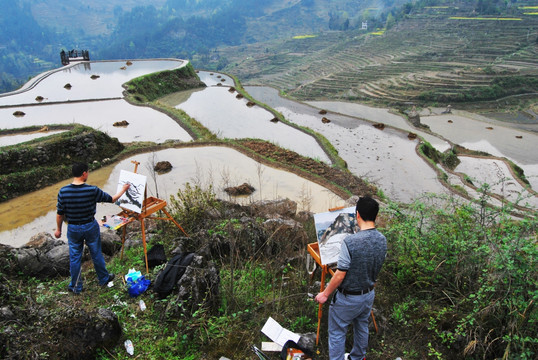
459, 281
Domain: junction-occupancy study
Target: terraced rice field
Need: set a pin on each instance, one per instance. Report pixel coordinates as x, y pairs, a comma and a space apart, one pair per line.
423, 54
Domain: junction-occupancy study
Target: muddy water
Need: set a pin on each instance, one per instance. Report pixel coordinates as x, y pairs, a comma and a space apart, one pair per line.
27, 215
145, 124
6, 140
217, 166
386, 158
50, 85
224, 114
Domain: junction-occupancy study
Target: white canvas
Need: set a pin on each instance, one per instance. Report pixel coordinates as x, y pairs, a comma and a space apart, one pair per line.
134, 196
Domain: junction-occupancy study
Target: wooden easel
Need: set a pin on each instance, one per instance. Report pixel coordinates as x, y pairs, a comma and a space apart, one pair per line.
313, 249
149, 207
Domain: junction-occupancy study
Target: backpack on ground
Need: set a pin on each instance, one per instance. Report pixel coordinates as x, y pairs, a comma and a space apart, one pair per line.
174, 270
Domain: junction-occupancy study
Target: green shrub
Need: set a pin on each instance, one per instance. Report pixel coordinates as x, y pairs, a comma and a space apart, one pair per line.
472, 271
192, 206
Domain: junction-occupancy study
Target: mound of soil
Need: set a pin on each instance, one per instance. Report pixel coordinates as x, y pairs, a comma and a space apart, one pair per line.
315, 171
121, 123
163, 167
244, 189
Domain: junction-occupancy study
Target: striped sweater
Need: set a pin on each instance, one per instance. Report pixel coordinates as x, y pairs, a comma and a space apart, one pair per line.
78, 202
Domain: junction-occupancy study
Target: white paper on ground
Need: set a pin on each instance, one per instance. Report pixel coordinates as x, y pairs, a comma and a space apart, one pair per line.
277, 333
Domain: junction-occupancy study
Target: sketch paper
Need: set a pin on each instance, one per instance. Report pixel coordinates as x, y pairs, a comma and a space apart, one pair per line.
134, 196
331, 229
271, 346
277, 333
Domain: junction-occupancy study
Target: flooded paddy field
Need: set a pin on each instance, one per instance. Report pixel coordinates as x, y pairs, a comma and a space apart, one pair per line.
145, 124
14, 139
224, 114
386, 157
217, 166
478, 133
87, 80
482, 171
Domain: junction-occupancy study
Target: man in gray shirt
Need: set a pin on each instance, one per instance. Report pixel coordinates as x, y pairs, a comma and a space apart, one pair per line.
361, 257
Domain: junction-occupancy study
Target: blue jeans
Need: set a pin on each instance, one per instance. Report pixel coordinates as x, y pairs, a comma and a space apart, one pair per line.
343, 311
77, 235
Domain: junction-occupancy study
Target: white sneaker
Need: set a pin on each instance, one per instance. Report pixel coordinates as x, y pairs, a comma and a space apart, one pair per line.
346, 356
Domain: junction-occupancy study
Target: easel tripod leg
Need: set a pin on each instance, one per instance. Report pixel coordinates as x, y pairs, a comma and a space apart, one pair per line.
124, 231
320, 306
144, 243
174, 221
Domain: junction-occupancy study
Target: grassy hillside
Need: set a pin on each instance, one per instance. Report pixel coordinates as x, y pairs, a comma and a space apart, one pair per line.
430, 56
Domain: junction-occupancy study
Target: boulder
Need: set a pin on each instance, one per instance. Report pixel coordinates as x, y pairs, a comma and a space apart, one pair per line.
272, 208
67, 333
197, 288
110, 242
84, 333
284, 235
43, 256
414, 117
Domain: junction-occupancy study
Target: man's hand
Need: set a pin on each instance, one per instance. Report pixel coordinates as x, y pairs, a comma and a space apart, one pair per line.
58, 233
121, 192
321, 298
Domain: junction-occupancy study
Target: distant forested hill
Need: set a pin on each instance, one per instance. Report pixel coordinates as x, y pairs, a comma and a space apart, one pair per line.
35, 31
26, 48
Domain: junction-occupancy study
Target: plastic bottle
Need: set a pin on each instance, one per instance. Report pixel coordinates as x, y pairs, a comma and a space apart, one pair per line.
142, 305
129, 347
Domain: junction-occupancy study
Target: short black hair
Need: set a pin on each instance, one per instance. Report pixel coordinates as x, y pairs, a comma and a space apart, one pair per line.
367, 208
79, 168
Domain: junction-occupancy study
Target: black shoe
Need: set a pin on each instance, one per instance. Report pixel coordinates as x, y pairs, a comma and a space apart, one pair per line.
110, 278
74, 292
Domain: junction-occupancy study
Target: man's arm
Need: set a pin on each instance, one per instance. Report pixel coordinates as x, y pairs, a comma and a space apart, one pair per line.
121, 192
335, 282
59, 222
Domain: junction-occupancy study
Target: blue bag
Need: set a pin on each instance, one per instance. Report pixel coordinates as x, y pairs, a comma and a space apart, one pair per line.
138, 286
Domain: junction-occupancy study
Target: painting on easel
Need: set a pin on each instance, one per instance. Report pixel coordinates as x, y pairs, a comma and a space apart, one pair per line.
133, 198
331, 228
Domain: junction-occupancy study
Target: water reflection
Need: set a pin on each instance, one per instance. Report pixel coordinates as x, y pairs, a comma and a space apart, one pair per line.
477, 133
499, 178
377, 115
386, 158
218, 166
108, 77
6, 140
224, 114
145, 124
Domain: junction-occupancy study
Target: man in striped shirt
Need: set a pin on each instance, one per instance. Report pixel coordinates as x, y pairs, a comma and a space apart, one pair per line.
77, 205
